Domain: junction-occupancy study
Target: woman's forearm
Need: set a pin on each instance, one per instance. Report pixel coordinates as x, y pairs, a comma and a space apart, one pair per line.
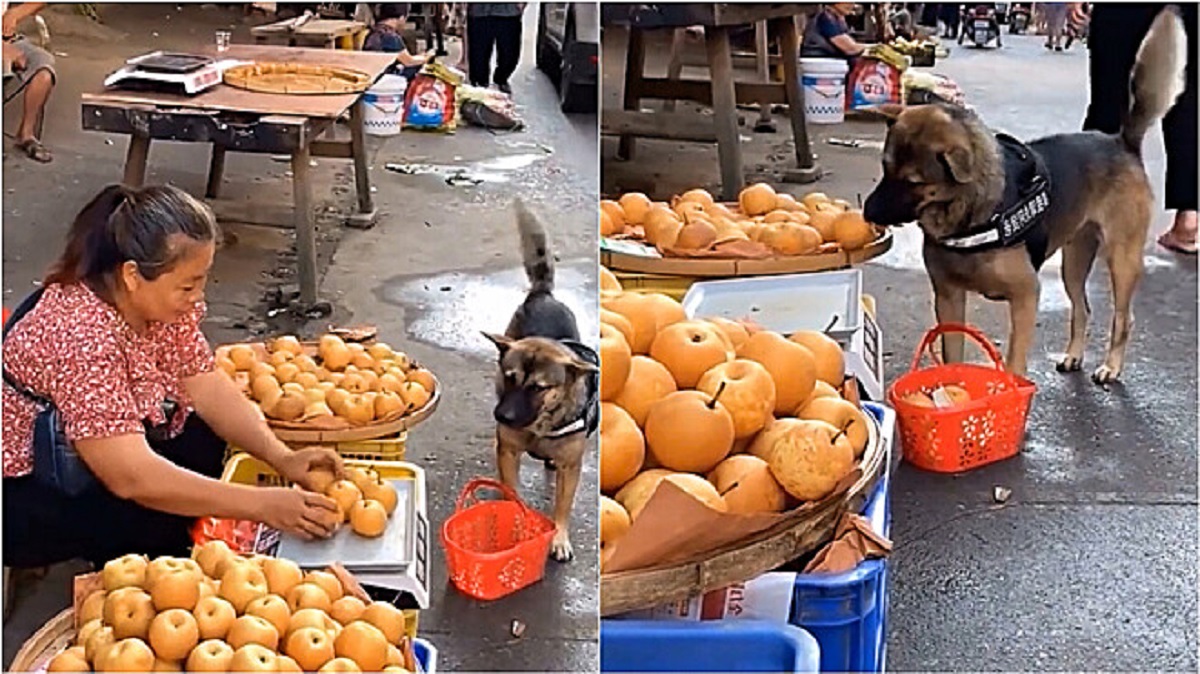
128, 468
233, 417
169, 488
408, 60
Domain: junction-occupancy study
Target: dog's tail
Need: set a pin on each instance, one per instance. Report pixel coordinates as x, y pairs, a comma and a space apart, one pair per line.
539, 263
1158, 77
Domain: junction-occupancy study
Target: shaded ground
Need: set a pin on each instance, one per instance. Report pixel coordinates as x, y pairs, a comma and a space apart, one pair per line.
442, 264
1092, 564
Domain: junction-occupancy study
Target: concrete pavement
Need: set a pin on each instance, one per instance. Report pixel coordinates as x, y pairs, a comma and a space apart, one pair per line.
442, 264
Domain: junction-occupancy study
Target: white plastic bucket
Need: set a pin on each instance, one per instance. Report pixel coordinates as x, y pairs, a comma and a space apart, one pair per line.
824, 82
383, 106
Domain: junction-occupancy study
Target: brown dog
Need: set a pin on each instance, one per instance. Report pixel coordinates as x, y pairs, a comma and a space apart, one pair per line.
993, 209
547, 387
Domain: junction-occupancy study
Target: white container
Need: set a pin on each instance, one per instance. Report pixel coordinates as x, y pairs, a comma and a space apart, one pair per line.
383, 106
824, 82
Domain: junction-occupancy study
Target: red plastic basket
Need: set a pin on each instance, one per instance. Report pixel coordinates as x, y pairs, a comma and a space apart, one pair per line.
988, 428
494, 548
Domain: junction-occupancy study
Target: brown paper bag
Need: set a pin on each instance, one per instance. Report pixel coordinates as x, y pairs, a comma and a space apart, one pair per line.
675, 527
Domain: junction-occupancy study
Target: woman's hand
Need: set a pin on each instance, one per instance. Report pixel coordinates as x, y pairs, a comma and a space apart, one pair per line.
299, 512
297, 465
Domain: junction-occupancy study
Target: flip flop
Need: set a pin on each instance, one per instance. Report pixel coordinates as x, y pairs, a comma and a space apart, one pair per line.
1175, 246
35, 150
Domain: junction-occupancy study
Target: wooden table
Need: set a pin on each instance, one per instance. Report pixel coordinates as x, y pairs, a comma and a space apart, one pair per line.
244, 121
317, 33
624, 33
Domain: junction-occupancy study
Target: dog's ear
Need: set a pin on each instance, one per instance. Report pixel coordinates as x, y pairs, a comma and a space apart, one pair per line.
581, 366
503, 344
889, 112
959, 164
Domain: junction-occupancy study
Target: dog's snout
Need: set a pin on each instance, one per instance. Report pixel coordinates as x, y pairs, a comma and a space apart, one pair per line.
889, 204
514, 410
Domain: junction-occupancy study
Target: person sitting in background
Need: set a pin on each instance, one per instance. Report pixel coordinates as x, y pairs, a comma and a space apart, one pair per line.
30, 69
386, 36
828, 35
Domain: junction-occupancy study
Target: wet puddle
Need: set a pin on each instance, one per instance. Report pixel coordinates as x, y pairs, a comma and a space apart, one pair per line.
491, 170
449, 310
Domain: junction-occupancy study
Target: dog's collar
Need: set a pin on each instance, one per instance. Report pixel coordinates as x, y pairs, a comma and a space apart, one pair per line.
1018, 218
587, 419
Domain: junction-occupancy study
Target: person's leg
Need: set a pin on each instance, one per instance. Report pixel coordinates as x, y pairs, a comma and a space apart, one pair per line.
41, 526
508, 50
1110, 62
480, 37
36, 82
1179, 137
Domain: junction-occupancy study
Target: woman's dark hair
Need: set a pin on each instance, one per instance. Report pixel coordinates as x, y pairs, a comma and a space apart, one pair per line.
125, 224
392, 10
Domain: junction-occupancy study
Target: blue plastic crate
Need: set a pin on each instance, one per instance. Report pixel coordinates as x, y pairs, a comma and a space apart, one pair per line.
426, 655
717, 646
847, 612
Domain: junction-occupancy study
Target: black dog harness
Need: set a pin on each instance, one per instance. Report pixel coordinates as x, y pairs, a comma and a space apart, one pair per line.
1019, 217
588, 418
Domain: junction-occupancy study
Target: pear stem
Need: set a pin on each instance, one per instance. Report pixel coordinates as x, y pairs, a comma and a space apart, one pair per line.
712, 404
837, 435
730, 488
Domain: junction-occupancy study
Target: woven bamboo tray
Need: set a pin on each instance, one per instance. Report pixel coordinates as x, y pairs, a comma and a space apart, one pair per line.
296, 79
327, 430
726, 268
746, 559
53, 638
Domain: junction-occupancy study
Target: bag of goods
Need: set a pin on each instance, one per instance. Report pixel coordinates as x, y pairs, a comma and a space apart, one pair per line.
430, 102
875, 78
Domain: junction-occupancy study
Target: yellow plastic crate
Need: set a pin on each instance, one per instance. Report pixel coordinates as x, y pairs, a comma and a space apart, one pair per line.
248, 470
672, 286
385, 449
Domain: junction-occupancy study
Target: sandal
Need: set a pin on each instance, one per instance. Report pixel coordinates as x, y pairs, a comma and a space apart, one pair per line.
34, 149
1174, 245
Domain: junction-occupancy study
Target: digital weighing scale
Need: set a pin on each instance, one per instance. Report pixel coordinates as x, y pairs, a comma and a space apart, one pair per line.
167, 70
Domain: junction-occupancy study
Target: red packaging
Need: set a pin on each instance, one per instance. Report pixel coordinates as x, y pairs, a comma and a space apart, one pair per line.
243, 537
872, 82
430, 102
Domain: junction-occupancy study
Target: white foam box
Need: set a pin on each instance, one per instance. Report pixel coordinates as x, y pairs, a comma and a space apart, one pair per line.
790, 302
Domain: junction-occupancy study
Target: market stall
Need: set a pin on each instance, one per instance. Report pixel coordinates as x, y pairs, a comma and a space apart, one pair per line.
192, 105
624, 32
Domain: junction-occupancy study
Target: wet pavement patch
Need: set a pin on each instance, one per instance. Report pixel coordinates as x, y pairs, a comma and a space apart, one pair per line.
449, 310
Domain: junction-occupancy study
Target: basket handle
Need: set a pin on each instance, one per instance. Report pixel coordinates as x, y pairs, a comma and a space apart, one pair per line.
974, 333
472, 489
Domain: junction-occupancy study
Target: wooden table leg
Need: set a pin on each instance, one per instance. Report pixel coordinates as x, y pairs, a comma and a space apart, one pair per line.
762, 66
635, 68
216, 172
306, 236
135, 160
725, 117
675, 64
789, 31
365, 217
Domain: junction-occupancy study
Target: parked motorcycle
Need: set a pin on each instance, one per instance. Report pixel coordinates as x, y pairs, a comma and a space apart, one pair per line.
1018, 19
979, 25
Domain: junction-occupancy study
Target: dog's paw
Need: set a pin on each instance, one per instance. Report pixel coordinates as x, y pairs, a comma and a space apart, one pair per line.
560, 547
1070, 364
1105, 375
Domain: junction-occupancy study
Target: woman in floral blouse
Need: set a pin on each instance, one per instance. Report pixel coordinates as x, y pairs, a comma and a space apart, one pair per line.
115, 344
